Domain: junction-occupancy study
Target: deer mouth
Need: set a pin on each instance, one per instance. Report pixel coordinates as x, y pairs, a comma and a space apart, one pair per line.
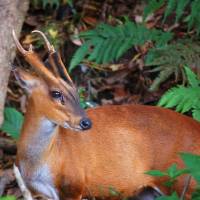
73, 128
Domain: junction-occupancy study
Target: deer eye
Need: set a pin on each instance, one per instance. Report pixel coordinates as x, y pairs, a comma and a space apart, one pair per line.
56, 94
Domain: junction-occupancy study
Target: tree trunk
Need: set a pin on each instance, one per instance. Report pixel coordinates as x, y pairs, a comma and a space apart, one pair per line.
12, 13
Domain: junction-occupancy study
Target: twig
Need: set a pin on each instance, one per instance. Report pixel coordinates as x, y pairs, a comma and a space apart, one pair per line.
25, 192
186, 186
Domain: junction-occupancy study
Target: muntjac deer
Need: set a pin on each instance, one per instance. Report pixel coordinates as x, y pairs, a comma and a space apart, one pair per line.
67, 153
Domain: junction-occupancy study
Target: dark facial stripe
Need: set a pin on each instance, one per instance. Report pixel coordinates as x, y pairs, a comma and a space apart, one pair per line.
72, 94
53, 64
48, 65
59, 66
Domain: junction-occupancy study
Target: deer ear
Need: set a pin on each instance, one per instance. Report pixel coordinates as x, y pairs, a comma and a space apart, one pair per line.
26, 80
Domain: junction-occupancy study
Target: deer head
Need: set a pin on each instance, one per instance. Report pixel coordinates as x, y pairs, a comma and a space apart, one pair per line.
51, 90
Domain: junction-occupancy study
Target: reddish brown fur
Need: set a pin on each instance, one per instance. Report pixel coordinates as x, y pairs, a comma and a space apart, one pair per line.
123, 143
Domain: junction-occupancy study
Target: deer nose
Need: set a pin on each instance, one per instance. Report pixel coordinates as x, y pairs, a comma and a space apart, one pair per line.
85, 123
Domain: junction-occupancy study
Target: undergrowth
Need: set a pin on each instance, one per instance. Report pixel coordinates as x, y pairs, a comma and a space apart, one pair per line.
185, 10
108, 43
184, 98
170, 59
192, 163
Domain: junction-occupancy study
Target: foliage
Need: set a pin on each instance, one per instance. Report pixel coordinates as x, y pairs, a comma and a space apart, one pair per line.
45, 3
174, 196
107, 43
179, 7
83, 102
170, 59
113, 192
152, 6
192, 163
52, 32
13, 121
196, 194
184, 98
172, 173
8, 198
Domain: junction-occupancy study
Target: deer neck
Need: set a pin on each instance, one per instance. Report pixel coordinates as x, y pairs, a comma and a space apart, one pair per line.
36, 135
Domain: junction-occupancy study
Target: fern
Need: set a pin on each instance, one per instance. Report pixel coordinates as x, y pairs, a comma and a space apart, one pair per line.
179, 7
184, 98
171, 5
194, 17
152, 6
170, 59
45, 3
107, 43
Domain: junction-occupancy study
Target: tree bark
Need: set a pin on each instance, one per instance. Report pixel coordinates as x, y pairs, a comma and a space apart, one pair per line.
12, 13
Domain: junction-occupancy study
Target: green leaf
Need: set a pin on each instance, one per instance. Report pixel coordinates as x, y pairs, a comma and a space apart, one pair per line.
196, 113
193, 17
157, 173
188, 9
174, 196
171, 5
170, 183
79, 55
13, 121
171, 171
152, 6
192, 162
196, 194
181, 5
108, 43
113, 192
192, 77
8, 198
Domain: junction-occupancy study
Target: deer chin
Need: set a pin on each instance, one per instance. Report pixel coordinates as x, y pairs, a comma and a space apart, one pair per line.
66, 125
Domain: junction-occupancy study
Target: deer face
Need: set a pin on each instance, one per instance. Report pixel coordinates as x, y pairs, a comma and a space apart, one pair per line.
52, 92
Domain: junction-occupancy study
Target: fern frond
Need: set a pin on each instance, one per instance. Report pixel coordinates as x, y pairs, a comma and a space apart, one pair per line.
196, 113
170, 59
164, 74
180, 97
184, 98
194, 16
109, 43
79, 56
171, 5
152, 6
180, 8
192, 79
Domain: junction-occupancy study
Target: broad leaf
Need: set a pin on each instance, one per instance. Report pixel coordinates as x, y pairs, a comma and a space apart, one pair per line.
8, 198
12, 122
156, 173
192, 162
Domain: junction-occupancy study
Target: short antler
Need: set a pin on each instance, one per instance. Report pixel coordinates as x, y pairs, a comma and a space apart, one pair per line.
18, 45
54, 60
49, 46
32, 58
